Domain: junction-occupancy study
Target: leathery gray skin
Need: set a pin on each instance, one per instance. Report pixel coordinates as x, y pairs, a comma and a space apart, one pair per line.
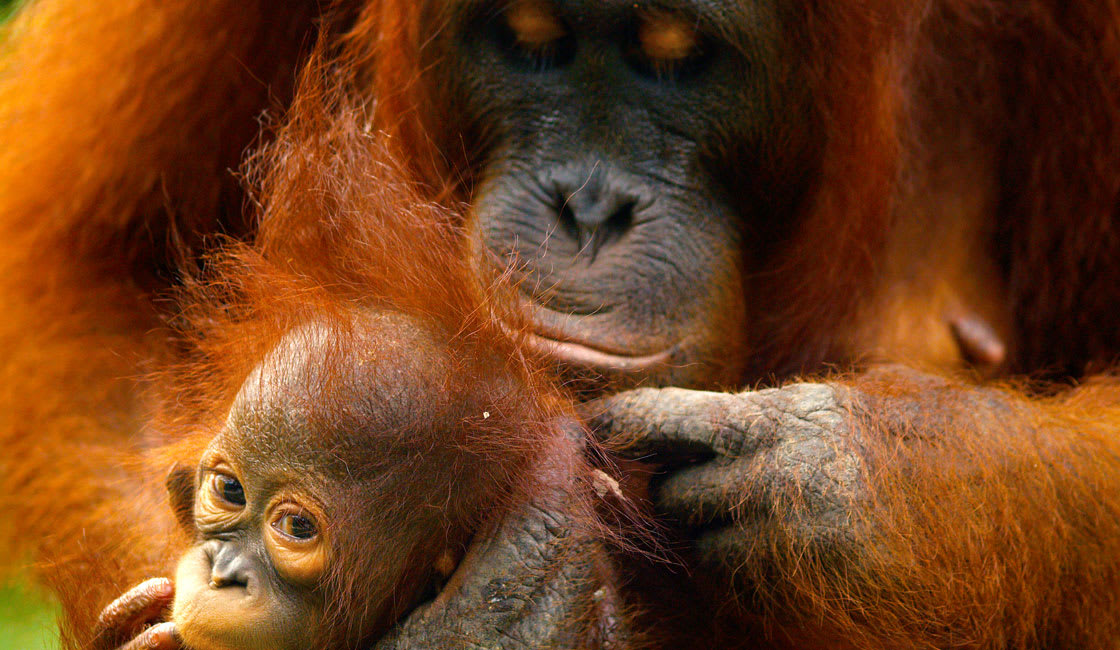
537, 579
789, 447
532, 580
527, 588
741, 464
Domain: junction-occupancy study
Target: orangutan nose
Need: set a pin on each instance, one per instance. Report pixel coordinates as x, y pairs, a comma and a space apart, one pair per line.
229, 565
595, 208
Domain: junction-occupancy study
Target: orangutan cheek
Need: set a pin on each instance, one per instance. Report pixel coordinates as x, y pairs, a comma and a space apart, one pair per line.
233, 617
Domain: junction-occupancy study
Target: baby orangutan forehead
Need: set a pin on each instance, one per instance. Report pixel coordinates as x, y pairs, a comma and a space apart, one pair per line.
369, 388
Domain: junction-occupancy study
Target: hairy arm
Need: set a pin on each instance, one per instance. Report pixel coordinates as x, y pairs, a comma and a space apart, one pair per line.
118, 117
896, 509
119, 125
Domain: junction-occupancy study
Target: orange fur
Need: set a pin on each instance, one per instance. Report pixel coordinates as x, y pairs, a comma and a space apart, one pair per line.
988, 522
92, 236
315, 263
1002, 530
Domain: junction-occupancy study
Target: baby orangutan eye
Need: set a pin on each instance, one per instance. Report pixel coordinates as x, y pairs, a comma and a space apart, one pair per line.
228, 489
296, 543
296, 526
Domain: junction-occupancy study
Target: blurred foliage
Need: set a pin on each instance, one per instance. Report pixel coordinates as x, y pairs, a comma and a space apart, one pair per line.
27, 619
7, 7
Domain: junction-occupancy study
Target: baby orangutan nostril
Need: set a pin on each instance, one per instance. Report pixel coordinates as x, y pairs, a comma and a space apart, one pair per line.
229, 567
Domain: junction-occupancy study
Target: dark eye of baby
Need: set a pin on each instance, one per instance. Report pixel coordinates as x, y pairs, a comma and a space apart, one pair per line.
229, 489
296, 526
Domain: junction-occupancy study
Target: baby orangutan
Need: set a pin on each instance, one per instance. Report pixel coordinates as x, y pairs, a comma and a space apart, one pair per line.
335, 472
354, 416
353, 467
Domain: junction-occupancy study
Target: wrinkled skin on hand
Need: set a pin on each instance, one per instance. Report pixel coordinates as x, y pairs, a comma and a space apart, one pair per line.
539, 578
747, 474
127, 623
535, 584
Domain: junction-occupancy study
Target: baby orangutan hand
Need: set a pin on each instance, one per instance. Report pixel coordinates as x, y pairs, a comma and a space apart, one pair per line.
134, 621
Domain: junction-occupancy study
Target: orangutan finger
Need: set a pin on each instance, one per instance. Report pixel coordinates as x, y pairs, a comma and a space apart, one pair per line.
137, 607
158, 637
673, 422
701, 494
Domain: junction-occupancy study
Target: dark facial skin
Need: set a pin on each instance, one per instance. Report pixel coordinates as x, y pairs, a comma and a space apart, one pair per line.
604, 131
259, 507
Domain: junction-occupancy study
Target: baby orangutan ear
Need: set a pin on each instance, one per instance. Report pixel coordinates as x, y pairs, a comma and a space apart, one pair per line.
180, 490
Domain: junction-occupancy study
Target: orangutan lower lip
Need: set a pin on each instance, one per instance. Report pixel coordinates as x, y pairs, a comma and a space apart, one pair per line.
584, 355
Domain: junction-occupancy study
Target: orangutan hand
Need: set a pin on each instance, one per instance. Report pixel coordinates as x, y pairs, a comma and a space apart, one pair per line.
132, 622
534, 580
746, 474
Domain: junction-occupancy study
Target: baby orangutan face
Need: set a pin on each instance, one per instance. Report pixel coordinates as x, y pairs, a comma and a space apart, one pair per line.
341, 486
251, 580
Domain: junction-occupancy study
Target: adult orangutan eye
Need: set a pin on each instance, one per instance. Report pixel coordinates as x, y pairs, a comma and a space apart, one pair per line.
535, 36
228, 489
296, 526
666, 46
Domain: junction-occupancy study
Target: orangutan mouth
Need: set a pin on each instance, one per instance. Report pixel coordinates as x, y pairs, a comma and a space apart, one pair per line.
587, 356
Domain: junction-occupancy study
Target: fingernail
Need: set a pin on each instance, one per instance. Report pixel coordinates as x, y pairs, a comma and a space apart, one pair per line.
162, 637
159, 587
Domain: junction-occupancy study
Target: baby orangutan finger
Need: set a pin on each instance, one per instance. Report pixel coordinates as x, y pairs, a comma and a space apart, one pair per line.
158, 637
137, 607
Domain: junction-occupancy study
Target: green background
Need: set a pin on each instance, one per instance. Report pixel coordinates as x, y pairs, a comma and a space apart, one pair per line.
26, 617
6, 7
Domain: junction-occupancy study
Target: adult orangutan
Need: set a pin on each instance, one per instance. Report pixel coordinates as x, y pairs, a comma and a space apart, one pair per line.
702, 194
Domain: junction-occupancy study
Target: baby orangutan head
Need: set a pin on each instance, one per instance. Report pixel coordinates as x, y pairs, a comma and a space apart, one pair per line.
354, 465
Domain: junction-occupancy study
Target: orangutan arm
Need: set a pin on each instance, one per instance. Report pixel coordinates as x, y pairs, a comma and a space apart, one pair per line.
540, 577
121, 121
897, 509
532, 583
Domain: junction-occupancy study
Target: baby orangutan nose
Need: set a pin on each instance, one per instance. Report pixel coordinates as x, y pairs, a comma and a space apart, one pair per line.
229, 566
